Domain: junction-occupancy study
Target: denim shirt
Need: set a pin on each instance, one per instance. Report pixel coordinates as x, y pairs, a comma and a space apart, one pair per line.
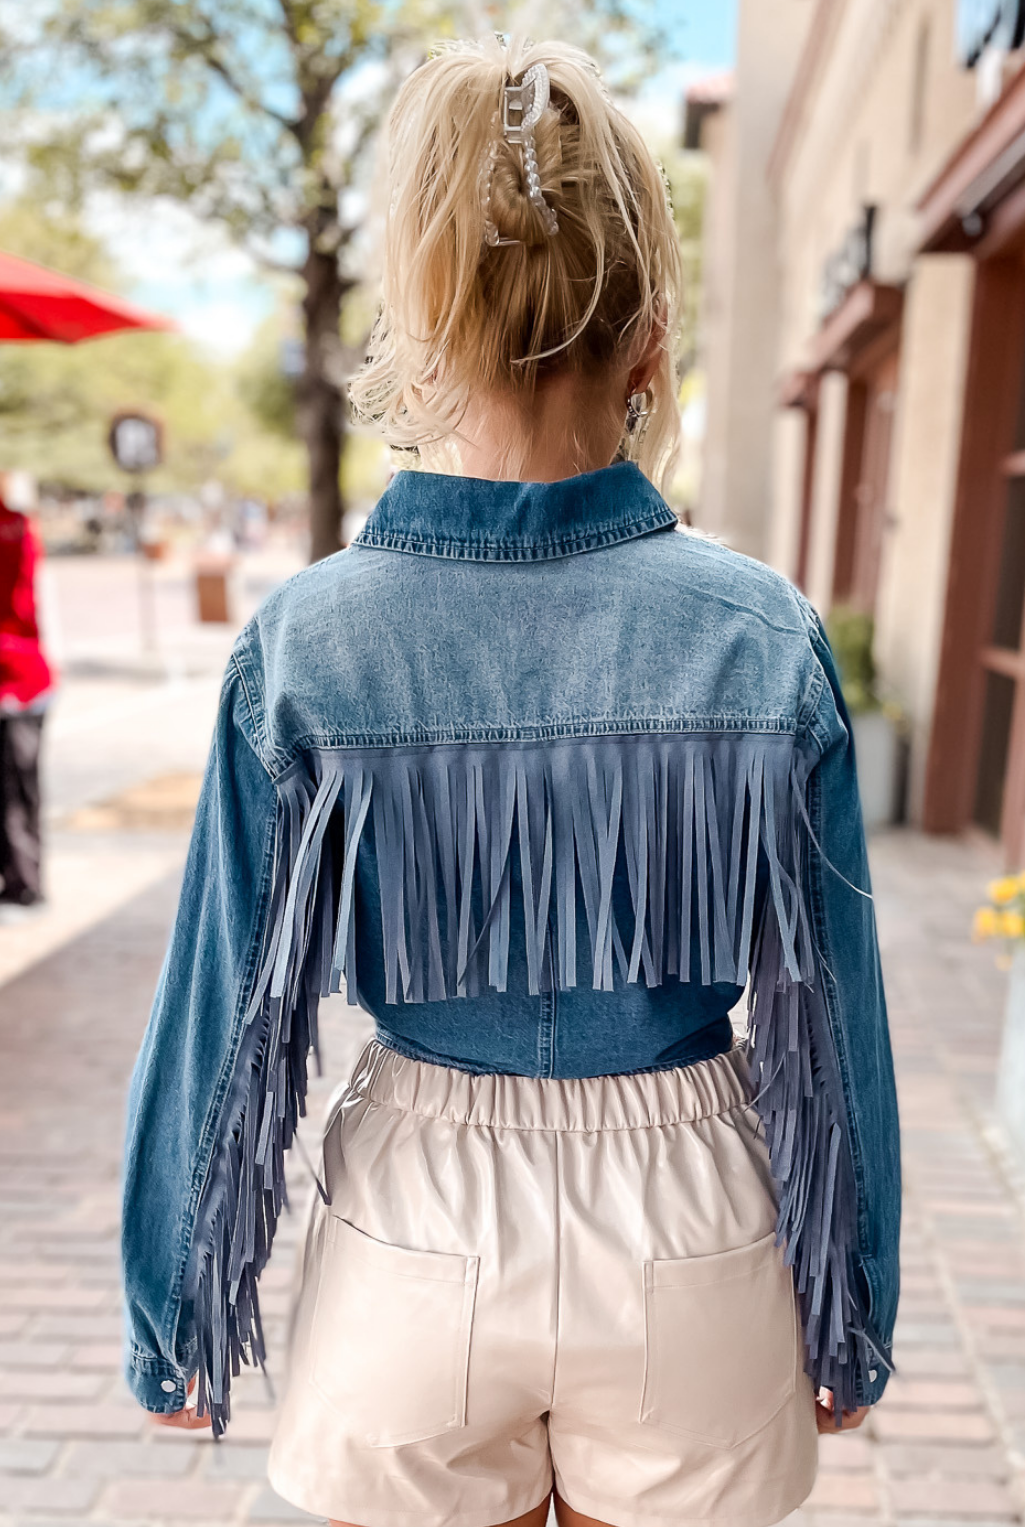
545, 783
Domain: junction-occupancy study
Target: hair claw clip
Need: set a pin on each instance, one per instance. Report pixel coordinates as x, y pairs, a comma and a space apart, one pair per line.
523, 104
518, 118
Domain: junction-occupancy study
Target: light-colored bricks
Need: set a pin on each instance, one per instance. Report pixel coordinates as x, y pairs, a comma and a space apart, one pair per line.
117, 1460
29, 1354
269, 1509
926, 1362
953, 1497
996, 1317
923, 1395
235, 1461
84, 1421
25, 1493
931, 1426
204, 1499
845, 1452
1001, 1345
52, 1384
21, 1455
67, 1297
253, 1426
100, 1355
843, 1491
929, 1461
829, 1518
71, 1327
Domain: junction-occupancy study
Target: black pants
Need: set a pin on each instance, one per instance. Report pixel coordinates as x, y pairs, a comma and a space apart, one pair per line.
20, 854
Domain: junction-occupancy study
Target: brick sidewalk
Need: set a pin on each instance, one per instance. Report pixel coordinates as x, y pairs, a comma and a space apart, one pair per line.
74, 1448
947, 1445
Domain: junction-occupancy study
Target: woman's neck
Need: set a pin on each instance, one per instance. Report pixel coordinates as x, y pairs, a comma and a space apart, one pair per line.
569, 425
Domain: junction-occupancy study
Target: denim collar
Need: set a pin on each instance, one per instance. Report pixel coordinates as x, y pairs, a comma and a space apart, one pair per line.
480, 520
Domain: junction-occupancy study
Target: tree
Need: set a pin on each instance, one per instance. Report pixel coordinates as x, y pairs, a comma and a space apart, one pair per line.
257, 114
688, 183
56, 401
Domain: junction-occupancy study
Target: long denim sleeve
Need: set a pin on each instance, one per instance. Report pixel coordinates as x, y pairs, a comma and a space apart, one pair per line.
184, 1072
844, 920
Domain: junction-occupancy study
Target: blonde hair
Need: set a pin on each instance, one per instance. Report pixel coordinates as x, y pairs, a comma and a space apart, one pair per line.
460, 316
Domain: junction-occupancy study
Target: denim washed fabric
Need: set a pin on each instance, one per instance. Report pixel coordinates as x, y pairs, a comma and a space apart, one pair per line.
543, 782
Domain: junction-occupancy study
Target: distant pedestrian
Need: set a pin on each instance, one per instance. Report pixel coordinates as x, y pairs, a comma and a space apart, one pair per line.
26, 686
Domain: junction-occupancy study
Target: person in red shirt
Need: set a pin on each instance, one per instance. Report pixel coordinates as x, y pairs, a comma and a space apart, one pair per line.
26, 686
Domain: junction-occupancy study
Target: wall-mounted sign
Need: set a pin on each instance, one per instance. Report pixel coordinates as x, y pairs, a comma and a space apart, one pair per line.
848, 265
136, 441
988, 23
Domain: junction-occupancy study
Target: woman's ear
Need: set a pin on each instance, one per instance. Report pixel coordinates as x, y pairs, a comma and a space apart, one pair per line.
646, 365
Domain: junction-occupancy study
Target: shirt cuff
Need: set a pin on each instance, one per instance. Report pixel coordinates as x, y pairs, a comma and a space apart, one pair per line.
871, 1381
158, 1386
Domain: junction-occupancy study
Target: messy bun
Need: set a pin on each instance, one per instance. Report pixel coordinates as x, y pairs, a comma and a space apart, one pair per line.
460, 315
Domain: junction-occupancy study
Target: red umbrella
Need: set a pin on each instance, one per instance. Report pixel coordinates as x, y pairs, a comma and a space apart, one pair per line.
36, 303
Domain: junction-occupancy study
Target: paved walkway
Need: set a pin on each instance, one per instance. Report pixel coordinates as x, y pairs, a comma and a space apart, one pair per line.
125, 714
947, 1445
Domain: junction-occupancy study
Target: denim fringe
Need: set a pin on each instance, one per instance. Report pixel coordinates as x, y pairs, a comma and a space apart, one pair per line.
690, 817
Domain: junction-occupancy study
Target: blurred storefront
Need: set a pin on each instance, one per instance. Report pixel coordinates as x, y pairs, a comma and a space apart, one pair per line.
891, 422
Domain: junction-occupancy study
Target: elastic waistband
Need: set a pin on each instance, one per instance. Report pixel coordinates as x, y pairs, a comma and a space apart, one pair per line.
633, 1101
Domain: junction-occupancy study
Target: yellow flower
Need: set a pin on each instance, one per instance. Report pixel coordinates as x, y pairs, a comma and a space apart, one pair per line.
1004, 890
1012, 924
986, 923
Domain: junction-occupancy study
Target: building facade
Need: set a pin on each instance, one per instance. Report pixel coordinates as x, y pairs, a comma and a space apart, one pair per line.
892, 426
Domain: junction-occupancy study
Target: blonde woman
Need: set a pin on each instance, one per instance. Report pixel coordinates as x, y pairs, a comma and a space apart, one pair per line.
543, 784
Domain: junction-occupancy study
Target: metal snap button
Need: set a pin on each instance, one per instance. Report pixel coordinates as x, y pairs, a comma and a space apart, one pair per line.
873, 1374
168, 1386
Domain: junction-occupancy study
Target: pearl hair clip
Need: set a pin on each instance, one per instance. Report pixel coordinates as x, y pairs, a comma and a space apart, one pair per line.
522, 108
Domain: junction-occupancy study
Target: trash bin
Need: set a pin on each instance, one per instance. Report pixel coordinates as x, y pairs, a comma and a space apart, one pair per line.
213, 591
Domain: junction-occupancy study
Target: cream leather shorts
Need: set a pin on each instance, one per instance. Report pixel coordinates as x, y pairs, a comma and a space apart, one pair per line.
523, 1282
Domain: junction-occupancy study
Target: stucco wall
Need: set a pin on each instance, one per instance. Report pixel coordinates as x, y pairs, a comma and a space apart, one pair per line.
855, 144
874, 121
718, 140
740, 336
788, 444
826, 488
924, 465
875, 128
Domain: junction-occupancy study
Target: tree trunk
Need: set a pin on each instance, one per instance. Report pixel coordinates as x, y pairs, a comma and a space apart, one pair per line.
322, 407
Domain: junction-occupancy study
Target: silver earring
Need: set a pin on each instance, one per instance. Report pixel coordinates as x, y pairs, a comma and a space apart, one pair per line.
637, 409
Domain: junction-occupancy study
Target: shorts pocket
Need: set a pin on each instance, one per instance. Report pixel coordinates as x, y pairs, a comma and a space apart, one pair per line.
720, 1342
390, 1343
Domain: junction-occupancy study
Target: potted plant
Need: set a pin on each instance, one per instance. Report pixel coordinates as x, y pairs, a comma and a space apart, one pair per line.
1004, 918
879, 728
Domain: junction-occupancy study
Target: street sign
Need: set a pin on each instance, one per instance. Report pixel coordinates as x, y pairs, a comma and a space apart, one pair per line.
136, 441
988, 23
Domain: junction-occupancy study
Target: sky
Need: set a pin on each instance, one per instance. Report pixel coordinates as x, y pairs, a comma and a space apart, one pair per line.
708, 28
217, 296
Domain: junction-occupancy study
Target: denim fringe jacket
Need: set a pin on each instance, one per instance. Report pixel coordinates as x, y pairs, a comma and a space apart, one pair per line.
543, 782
